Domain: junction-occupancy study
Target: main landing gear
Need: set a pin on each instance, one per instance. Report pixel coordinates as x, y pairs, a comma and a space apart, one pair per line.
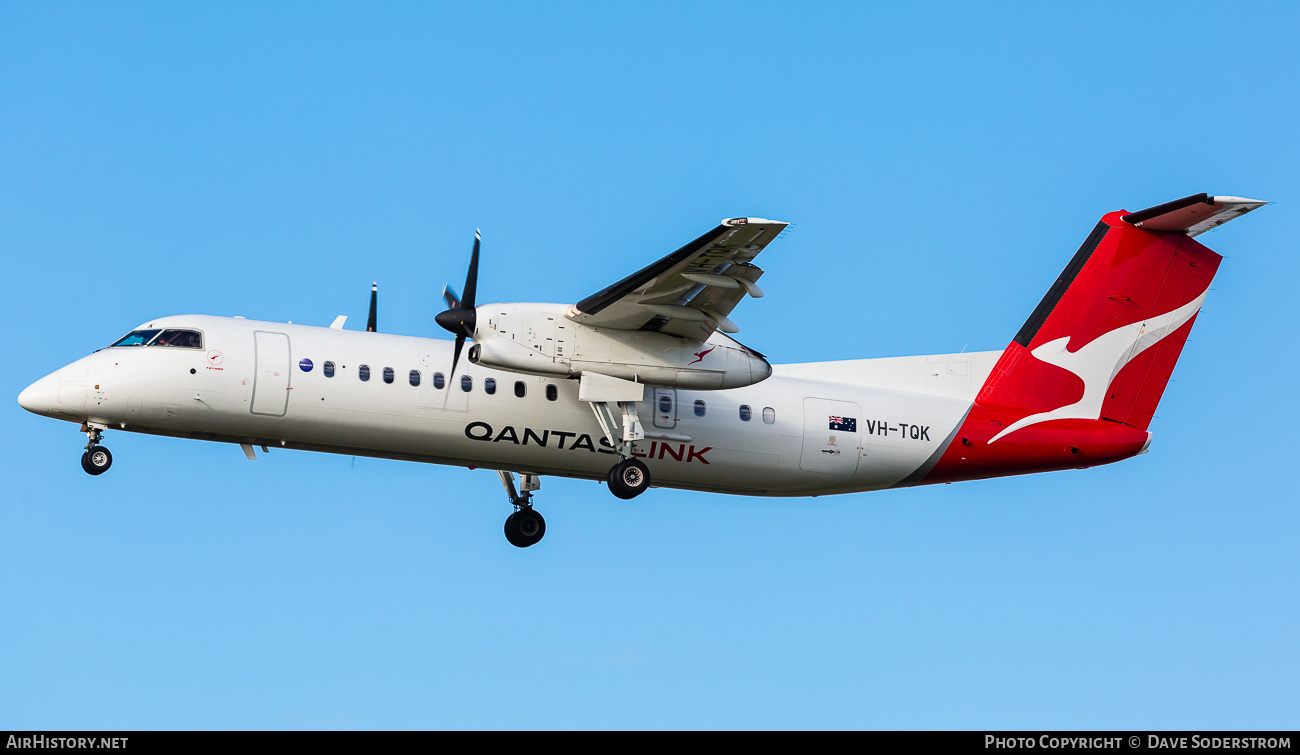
628, 478
524, 527
97, 459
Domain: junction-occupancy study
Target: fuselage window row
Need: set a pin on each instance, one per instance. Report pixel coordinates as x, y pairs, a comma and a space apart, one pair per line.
414, 377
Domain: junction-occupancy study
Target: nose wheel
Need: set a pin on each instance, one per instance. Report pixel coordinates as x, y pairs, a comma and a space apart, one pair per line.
97, 459
525, 527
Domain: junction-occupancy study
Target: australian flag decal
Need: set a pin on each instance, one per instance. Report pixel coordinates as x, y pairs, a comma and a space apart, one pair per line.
844, 424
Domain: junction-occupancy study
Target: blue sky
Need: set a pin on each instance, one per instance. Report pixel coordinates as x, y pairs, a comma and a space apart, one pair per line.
941, 162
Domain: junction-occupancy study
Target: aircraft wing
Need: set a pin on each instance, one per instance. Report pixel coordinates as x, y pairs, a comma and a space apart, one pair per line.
690, 292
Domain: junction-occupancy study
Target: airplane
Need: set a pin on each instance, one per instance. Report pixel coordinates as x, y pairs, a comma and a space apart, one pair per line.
642, 384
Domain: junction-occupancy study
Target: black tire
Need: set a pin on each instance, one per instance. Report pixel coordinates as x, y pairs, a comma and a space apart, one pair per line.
628, 479
512, 531
524, 528
97, 460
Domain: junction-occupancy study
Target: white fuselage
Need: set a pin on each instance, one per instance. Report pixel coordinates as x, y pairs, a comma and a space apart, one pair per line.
248, 385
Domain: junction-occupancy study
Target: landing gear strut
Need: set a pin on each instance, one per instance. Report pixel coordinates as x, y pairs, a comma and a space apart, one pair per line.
628, 478
97, 459
524, 527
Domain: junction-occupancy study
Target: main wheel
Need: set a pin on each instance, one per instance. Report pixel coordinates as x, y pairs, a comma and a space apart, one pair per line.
97, 460
628, 479
524, 528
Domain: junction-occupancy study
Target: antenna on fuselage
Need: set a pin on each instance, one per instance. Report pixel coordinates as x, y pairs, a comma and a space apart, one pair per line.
374, 306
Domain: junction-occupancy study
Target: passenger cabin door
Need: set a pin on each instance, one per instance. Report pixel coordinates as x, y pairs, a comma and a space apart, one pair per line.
665, 408
271, 371
831, 443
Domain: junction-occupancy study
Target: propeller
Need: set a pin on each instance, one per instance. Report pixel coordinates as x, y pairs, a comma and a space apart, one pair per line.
374, 307
451, 297
459, 318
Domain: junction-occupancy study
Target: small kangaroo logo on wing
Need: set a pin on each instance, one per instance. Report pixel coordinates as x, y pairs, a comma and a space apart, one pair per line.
1099, 361
699, 355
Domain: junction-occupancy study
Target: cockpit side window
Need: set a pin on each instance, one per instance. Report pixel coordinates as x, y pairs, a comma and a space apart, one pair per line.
136, 338
179, 339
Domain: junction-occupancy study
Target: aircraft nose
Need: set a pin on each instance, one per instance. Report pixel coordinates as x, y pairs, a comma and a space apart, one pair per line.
41, 396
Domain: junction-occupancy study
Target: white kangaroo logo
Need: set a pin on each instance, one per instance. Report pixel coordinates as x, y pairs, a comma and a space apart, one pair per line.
1098, 362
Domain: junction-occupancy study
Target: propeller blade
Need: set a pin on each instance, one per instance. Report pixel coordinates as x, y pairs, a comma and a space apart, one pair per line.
455, 358
471, 278
374, 307
460, 317
450, 296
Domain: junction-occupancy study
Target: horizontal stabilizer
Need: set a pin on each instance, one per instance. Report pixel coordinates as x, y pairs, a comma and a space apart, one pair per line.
1192, 215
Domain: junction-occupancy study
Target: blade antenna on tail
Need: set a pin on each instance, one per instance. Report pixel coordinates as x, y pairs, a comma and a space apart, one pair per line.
371, 323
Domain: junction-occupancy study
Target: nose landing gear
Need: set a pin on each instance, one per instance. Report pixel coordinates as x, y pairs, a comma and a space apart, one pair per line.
525, 527
97, 459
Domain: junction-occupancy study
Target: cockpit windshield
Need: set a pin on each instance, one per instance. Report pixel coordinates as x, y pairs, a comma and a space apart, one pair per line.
179, 339
173, 337
137, 338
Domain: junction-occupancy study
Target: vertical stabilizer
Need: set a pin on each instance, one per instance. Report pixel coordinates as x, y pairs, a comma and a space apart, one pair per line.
1081, 380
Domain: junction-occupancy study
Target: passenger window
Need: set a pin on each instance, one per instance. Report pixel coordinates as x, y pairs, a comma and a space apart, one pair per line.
136, 338
490, 386
769, 415
438, 381
745, 412
521, 390
552, 392
328, 369
415, 377
665, 404
699, 408
389, 375
466, 383
363, 372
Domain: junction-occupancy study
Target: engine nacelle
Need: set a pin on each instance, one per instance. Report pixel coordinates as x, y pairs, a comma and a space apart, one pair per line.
537, 339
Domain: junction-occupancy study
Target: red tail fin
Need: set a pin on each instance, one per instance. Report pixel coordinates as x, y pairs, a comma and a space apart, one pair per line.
1080, 382
1103, 342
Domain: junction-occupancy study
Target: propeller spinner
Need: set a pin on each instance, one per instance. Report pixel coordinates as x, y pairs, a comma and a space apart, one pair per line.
459, 319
